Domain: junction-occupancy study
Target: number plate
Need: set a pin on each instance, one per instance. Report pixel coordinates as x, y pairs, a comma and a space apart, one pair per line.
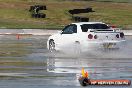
108, 45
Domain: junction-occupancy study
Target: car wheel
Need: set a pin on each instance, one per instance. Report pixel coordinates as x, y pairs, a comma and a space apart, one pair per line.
51, 46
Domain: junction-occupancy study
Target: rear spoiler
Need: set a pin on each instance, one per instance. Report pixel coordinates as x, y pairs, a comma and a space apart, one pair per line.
101, 30
105, 30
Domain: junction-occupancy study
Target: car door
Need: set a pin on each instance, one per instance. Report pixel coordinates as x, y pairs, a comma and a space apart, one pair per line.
68, 35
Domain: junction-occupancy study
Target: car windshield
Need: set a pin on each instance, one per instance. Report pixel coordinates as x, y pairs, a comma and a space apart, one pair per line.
85, 27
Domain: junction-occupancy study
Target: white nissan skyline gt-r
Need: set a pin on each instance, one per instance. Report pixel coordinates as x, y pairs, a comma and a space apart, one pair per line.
88, 35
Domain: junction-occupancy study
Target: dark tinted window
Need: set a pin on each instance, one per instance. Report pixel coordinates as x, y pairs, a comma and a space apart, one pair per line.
70, 29
85, 27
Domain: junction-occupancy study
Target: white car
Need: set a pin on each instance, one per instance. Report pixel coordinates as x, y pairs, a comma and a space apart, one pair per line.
88, 35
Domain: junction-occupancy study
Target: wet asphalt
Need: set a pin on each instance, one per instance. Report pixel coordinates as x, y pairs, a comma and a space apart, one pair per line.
26, 63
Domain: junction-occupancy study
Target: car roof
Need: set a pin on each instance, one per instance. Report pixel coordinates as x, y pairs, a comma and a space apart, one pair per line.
80, 23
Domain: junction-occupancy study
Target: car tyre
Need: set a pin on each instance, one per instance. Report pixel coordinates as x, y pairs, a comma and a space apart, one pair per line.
52, 46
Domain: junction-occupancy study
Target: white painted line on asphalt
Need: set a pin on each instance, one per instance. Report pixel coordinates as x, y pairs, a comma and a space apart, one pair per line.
12, 74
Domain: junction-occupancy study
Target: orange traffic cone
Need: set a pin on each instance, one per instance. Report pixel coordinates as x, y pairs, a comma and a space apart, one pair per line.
18, 36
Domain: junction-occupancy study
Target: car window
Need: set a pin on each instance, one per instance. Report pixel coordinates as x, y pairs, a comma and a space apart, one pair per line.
69, 29
85, 27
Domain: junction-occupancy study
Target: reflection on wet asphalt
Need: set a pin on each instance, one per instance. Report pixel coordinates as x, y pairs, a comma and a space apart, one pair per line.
25, 62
